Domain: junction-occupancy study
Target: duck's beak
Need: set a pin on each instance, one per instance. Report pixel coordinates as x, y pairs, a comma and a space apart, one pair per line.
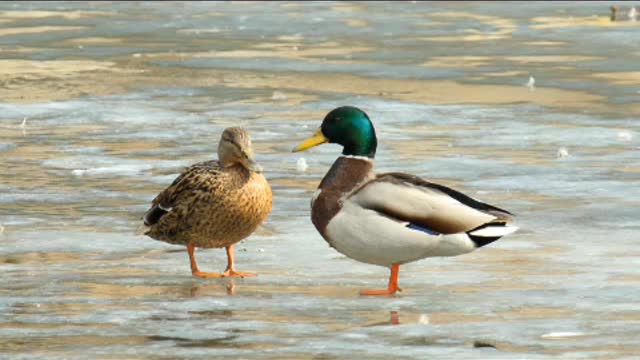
316, 139
254, 166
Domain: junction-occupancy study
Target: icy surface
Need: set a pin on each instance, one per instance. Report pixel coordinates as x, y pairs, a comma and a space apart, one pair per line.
78, 276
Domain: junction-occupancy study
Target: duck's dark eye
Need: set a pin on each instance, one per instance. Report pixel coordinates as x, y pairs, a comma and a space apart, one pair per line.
336, 120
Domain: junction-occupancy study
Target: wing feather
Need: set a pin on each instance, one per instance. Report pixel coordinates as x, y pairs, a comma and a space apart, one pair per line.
412, 199
181, 188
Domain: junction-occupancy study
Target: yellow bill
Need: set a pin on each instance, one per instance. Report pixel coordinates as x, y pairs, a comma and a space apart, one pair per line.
316, 139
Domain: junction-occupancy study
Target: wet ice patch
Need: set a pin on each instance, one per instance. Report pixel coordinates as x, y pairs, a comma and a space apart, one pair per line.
526, 135
267, 135
13, 195
117, 170
109, 166
37, 110
573, 184
82, 149
126, 110
75, 241
461, 167
19, 195
7, 146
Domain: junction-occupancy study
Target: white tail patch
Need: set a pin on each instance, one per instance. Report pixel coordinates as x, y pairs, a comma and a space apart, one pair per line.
495, 231
164, 208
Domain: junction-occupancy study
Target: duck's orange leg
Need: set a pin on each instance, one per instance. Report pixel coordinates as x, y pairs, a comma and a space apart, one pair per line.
393, 284
230, 271
194, 266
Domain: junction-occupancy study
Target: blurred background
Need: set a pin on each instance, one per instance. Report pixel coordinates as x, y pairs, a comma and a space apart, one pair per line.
532, 107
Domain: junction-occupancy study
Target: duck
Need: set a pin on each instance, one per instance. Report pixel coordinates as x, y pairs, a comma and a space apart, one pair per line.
390, 219
213, 204
614, 12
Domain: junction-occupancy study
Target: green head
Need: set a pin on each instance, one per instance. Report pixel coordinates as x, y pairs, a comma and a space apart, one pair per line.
349, 127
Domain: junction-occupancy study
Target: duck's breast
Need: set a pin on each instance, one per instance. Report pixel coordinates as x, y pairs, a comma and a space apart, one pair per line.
230, 211
370, 237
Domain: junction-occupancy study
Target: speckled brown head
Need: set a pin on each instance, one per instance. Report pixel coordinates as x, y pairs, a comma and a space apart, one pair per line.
235, 149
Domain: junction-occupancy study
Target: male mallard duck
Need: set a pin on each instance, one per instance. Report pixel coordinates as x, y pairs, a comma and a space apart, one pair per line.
213, 203
393, 218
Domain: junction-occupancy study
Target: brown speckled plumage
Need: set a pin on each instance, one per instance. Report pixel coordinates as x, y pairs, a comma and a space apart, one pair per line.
212, 206
213, 203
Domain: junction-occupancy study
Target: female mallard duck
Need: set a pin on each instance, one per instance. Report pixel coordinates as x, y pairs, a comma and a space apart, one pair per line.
213, 203
393, 218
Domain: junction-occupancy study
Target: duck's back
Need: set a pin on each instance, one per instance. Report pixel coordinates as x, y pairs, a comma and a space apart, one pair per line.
210, 206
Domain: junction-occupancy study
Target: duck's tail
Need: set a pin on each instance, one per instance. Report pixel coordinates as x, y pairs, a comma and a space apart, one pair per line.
154, 214
490, 232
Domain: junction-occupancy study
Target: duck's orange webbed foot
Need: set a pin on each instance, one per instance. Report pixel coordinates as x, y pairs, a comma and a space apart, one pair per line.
194, 266
389, 291
229, 272
393, 284
202, 274
234, 273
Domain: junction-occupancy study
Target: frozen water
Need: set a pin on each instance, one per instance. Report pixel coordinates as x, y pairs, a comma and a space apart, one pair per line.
78, 276
109, 166
6, 146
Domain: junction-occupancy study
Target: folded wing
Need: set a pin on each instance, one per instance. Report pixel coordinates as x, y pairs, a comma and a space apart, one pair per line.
428, 205
179, 191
